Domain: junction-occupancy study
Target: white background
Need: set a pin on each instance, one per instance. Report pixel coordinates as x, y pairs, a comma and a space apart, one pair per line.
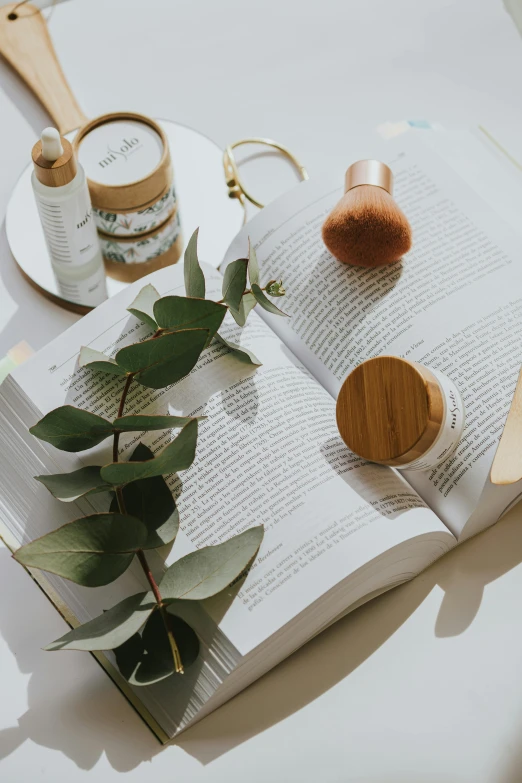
424, 685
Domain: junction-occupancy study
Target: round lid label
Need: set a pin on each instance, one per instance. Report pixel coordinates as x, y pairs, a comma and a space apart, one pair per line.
120, 152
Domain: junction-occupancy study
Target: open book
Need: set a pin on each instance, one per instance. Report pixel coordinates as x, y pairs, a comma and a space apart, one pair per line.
338, 531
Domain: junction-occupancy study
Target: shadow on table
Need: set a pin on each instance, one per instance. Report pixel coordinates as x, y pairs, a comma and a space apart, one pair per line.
84, 727
21, 305
512, 768
80, 724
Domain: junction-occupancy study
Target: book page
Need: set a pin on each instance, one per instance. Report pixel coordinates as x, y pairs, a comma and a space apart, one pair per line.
268, 453
453, 304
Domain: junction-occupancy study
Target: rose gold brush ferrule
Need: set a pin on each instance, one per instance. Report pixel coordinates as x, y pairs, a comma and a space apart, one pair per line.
369, 172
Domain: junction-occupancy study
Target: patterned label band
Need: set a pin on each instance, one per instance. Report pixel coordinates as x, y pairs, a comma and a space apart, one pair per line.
141, 249
125, 224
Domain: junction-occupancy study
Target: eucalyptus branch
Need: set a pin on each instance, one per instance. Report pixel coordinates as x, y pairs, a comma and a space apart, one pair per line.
95, 550
178, 664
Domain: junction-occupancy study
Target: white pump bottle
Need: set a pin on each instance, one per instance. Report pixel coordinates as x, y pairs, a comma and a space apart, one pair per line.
64, 205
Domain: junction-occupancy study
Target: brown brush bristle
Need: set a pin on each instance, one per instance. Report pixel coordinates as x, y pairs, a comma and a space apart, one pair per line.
367, 228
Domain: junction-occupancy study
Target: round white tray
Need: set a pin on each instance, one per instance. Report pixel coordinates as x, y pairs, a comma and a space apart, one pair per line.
203, 201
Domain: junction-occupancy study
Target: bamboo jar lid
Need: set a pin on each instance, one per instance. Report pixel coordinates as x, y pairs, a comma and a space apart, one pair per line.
390, 410
126, 160
54, 173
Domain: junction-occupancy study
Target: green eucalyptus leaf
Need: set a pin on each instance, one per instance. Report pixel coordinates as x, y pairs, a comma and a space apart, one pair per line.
71, 429
243, 354
179, 312
128, 655
253, 264
211, 569
147, 657
143, 306
110, 629
150, 500
90, 551
234, 282
194, 277
165, 360
178, 455
70, 486
265, 303
96, 360
142, 423
248, 302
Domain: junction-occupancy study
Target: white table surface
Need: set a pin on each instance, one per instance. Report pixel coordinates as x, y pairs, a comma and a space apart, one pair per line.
424, 685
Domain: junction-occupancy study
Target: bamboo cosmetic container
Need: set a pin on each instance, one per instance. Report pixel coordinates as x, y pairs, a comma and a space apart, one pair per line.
127, 162
400, 413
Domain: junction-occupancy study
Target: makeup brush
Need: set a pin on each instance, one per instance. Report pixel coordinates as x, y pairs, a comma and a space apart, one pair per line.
367, 228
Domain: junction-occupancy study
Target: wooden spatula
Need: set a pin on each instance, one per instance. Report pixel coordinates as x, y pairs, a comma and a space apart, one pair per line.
507, 465
26, 45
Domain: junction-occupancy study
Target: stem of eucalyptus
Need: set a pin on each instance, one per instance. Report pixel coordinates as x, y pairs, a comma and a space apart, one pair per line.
178, 664
245, 292
120, 413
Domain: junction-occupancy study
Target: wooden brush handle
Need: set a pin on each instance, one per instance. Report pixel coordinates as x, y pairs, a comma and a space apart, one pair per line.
26, 45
